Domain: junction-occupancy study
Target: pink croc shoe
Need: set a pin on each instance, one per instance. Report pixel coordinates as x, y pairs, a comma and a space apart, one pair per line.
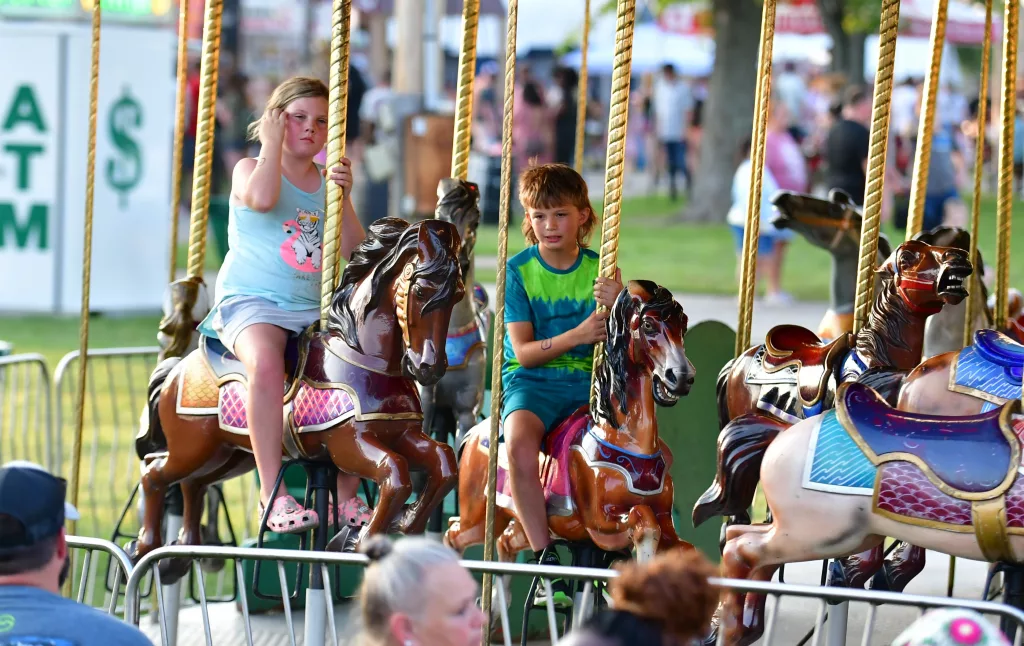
353, 511
287, 516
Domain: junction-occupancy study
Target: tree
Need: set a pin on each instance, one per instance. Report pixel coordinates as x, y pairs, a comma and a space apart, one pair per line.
849, 22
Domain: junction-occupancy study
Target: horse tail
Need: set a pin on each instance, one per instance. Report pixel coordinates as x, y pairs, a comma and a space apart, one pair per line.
151, 437
722, 393
741, 446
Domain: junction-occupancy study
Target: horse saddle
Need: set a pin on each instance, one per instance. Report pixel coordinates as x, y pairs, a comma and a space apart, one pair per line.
225, 366
969, 458
791, 345
1000, 349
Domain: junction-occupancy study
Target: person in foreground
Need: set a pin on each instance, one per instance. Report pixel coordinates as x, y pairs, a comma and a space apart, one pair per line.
415, 593
552, 324
35, 562
666, 602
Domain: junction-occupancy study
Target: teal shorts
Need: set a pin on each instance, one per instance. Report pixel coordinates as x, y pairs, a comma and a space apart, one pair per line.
551, 401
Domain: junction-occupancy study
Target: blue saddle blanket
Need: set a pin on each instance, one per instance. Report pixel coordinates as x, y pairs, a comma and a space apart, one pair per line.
835, 462
992, 366
458, 346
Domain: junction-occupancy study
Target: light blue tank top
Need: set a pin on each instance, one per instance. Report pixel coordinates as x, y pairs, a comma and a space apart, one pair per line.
275, 255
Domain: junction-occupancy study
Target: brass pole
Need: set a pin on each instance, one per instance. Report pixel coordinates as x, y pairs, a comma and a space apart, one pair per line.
504, 209
179, 133
203, 168
337, 115
464, 93
973, 302
762, 101
615, 164
581, 91
872, 221
926, 125
90, 184
1004, 208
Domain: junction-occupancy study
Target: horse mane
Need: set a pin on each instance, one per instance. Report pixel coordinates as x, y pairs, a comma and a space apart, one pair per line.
379, 256
886, 324
612, 373
458, 203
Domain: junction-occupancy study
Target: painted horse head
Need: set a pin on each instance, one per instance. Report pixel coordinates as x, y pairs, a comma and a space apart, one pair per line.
927, 277
833, 224
404, 274
645, 342
458, 202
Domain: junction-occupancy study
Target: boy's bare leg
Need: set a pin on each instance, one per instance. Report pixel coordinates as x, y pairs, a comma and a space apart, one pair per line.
523, 433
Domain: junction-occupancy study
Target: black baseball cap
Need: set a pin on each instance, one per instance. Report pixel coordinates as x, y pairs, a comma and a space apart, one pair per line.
34, 497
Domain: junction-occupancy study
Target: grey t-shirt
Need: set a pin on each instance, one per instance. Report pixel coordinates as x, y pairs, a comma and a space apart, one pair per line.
34, 617
941, 171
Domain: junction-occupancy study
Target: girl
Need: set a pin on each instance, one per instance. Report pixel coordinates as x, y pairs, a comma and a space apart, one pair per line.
269, 284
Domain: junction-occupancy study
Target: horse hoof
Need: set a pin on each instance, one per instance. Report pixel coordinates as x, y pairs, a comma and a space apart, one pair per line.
173, 570
209, 537
344, 541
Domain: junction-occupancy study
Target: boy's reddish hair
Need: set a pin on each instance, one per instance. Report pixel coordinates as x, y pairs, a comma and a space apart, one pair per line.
552, 185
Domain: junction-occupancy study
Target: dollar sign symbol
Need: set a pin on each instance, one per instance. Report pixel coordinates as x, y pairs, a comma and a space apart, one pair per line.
125, 170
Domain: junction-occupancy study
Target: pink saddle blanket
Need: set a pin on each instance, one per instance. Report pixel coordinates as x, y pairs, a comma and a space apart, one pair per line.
554, 468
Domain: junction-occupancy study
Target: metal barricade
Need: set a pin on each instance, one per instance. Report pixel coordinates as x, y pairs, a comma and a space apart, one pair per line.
788, 615
82, 578
26, 418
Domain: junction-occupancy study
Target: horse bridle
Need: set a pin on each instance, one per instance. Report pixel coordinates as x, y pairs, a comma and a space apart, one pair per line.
842, 225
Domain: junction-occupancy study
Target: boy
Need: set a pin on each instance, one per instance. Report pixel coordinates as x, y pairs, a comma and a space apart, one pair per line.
552, 324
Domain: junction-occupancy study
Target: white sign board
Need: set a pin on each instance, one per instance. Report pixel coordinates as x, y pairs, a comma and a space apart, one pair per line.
135, 126
29, 128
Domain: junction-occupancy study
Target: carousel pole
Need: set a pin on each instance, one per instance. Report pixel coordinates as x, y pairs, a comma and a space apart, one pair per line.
464, 92
615, 164
1004, 207
926, 125
90, 186
179, 133
581, 94
337, 115
504, 208
762, 101
872, 221
972, 305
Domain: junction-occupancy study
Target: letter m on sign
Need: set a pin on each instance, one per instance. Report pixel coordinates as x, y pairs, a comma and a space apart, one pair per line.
35, 226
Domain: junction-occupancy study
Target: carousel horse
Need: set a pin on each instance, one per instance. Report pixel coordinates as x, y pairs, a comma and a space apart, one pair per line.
452, 405
605, 471
840, 482
349, 391
833, 225
792, 375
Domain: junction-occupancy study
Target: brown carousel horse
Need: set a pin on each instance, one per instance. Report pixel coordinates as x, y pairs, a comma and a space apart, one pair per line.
350, 394
605, 471
792, 375
839, 483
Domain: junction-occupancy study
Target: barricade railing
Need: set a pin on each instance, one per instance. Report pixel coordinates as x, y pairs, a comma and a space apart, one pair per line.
26, 417
93, 555
776, 593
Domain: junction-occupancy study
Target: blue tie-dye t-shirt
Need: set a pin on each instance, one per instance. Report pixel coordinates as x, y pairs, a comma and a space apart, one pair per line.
554, 301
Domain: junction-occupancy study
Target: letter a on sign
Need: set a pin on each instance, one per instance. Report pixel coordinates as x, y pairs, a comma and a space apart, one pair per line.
25, 109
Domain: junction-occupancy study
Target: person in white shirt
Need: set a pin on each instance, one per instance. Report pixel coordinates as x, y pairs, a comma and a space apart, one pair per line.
768, 235
673, 102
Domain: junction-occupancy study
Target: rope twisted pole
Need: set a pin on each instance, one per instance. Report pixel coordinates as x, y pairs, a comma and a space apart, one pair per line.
337, 115
464, 92
615, 165
581, 91
926, 125
90, 183
504, 210
205, 121
872, 220
179, 134
1005, 197
973, 302
762, 101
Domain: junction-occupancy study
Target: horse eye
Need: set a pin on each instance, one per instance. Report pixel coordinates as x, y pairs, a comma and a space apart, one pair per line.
648, 326
417, 291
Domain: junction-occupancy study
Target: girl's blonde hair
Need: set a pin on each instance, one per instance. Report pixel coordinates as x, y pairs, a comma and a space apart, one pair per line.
293, 89
552, 185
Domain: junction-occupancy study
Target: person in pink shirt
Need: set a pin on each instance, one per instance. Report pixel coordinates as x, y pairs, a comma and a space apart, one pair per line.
785, 159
